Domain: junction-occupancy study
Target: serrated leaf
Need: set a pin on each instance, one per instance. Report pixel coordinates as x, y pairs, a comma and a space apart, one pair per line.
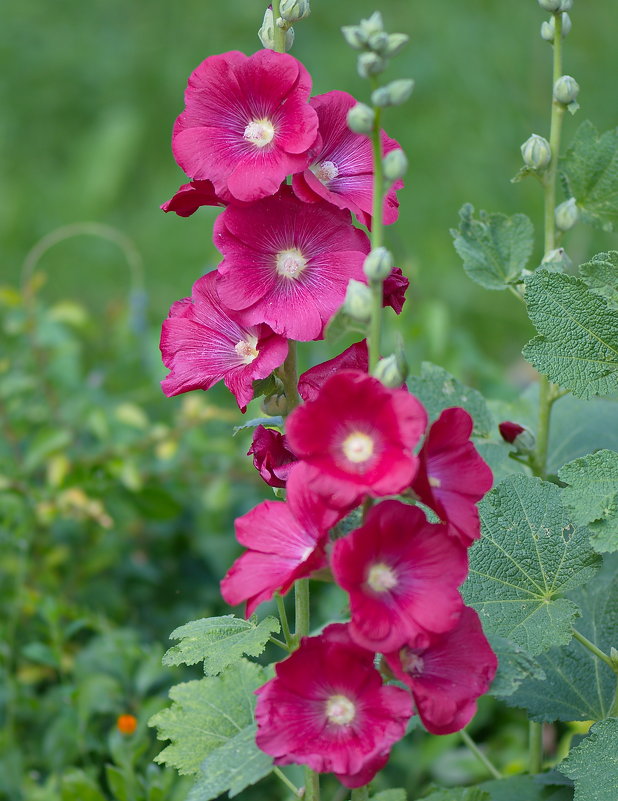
219, 641
390, 795
601, 275
524, 788
514, 666
438, 390
592, 496
495, 248
593, 764
578, 346
233, 767
529, 555
590, 171
341, 324
271, 422
577, 685
206, 715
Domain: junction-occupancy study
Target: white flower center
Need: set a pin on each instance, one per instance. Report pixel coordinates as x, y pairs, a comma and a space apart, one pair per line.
290, 263
325, 171
259, 132
247, 349
434, 482
381, 577
411, 663
358, 447
340, 710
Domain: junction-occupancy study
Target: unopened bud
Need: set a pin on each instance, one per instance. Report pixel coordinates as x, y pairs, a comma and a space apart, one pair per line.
293, 10
358, 301
548, 29
389, 372
566, 5
275, 405
566, 90
267, 32
395, 165
378, 42
550, 5
393, 94
370, 64
361, 119
396, 43
354, 36
536, 152
372, 25
378, 264
517, 435
567, 214
556, 260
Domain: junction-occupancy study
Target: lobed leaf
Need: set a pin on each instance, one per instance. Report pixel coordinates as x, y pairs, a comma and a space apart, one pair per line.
514, 666
593, 764
601, 275
530, 554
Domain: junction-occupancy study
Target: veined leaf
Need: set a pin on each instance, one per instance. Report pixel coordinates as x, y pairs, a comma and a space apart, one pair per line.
601, 275
514, 666
593, 764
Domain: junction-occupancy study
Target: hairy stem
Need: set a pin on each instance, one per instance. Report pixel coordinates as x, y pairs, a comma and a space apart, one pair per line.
292, 787
535, 752
312, 785
302, 608
279, 33
593, 648
480, 755
377, 238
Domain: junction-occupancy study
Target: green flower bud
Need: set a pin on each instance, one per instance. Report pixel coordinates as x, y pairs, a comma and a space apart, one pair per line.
370, 64
358, 301
566, 5
293, 10
354, 36
267, 32
361, 119
378, 42
566, 90
550, 5
567, 214
393, 94
548, 29
395, 165
372, 25
536, 152
557, 260
396, 43
389, 372
378, 264
275, 405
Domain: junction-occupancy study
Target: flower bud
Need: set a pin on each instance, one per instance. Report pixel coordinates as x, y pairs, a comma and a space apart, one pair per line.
393, 94
567, 214
536, 152
557, 260
395, 165
370, 64
378, 264
372, 25
358, 301
275, 405
293, 10
267, 32
378, 42
566, 90
566, 5
389, 371
517, 435
354, 36
361, 119
550, 5
548, 29
396, 43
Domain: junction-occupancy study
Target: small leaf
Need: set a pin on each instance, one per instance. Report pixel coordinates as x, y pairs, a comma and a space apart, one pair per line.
495, 248
264, 386
219, 641
590, 172
593, 764
514, 666
270, 422
601, 275
578, 346
530, 554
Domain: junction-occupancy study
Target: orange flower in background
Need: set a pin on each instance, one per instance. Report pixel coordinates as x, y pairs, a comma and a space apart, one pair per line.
126, 724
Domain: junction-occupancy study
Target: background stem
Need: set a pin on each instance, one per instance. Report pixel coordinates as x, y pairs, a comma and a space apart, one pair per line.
479, 754
377, 238
289, 378
535, 758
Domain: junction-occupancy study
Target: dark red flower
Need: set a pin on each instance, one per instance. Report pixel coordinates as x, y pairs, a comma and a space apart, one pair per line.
510, 431
191, 196
271, 456
394, 290
356, 357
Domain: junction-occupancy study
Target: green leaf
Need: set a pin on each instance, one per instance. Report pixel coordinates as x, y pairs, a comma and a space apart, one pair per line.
233, 767
206, 715
459, 794
530, 554
78, 786
390, 795
592, 496
524, 788
219, 641
495, 248
578, 427
269, 422
593, 764
514, 666
341, 324
590, 172
438, 390
601, 275
577, 685
578, 346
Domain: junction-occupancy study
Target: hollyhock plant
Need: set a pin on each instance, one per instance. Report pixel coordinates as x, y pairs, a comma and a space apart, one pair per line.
341, 170
452, 477
448, 675
367, 450
191, 196
402, 574
285, 542
271, 456
356, 357
202, 343
328, 708
287, 263
247, 123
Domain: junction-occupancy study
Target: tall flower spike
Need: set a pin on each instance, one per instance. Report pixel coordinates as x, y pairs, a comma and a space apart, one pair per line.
246, 123
203, 343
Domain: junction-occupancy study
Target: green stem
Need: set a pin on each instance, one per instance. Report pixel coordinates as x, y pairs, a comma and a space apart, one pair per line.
377, 238
278, 33
593, 648
289, 377
281, 775
535, 760
361, 794
479, 754
539, 460
613, 712
279, 643
302, 608
312, 785
283, 617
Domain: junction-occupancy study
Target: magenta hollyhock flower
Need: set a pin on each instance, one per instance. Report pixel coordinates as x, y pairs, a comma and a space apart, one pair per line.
285, 542
247, 123
271, 456
202, 343
452, 476
394, 290
402, 574
328, 708
341, 170
449, 675
191, 196
356, 357
357, 438
287, 263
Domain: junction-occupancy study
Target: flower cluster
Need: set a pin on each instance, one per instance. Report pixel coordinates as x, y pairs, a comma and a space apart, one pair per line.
289, 251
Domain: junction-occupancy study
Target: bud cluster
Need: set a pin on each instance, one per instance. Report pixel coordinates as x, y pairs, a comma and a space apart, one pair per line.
266, 33
376, 44
548, 29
